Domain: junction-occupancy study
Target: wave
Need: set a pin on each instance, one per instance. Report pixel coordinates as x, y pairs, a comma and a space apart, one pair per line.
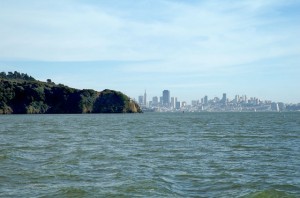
270, 193
71, 192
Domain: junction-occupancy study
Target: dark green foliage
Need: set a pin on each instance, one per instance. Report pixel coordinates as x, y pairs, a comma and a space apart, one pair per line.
87, 100
22, 94
111, 101
16, 75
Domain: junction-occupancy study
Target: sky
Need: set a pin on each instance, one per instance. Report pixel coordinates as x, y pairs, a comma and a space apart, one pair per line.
192, 48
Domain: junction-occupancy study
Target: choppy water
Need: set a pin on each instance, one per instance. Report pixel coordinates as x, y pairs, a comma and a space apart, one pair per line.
150, 155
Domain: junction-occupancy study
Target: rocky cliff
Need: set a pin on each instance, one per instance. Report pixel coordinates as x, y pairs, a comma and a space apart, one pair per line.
22, 94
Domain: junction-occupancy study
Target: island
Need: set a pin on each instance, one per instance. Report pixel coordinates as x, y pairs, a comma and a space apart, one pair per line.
23, 94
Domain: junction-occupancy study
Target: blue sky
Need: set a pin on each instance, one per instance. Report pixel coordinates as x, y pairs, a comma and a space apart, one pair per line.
193, 48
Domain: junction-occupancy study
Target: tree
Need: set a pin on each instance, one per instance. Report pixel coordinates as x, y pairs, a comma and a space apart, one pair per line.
2, 75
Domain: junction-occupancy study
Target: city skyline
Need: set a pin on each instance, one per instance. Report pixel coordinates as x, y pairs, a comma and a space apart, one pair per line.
191, 47
240, 103
223, 97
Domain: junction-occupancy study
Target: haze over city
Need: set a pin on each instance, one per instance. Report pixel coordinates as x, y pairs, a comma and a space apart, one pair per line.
193, 48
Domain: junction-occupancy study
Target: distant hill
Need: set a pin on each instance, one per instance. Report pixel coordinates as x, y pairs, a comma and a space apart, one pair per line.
22, 94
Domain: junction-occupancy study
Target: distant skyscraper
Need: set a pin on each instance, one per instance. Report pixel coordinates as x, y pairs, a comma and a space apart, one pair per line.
166, 98
145, 98
224, 98
237, 99
172, 102
177, 105
155, 101
245, 99
141, 100
205, 100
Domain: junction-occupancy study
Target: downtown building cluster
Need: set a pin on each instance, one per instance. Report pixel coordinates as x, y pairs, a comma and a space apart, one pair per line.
166, 103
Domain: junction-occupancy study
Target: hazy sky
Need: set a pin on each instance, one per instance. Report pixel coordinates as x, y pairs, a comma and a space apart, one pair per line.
193, 48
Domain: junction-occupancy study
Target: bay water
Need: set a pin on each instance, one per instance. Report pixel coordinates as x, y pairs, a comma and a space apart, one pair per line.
150, 155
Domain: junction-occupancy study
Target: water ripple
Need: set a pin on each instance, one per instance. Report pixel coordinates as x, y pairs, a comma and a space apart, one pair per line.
150, 155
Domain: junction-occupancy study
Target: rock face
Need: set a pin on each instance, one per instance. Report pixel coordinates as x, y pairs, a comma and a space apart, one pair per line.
19, 95
110, 101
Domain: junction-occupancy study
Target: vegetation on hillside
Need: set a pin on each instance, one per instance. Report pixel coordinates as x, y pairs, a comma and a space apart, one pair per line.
22, 94
16, 76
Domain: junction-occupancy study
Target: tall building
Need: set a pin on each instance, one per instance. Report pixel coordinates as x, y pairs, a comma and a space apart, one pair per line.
178, 105
237, 99
166, 98
161, 101
245, 99
205, 100
145, 98
173, 102
224, 98
141, 100
155, 101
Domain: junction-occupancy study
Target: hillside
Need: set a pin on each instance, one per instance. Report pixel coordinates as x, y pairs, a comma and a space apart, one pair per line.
22, 94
